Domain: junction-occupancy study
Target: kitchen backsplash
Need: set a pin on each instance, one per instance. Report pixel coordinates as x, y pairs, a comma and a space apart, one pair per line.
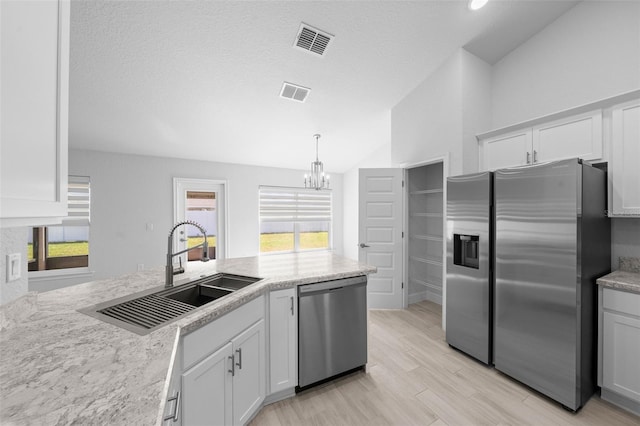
630, 264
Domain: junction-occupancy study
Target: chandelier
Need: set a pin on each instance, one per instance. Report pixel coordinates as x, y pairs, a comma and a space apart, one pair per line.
317, 179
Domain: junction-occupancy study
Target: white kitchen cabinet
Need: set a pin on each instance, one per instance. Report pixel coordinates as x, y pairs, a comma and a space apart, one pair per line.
248, 373
625, 147
34, 112
207, 390
512, 149
283, 340
171, 415
575, 136
620, 348
223, 378
228, 386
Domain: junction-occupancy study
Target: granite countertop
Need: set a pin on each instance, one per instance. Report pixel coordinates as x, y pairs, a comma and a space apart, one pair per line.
621, 280
59, 366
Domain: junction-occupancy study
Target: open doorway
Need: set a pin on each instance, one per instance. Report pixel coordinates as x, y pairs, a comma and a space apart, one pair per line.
201, 201
425, 243
201, 207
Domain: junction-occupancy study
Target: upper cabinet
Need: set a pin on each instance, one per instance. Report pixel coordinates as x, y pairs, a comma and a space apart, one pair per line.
607, 130
574, 136
625, 150
507, 150
34, 112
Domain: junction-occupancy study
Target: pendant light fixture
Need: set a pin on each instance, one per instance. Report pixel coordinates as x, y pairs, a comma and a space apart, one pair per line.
317, 179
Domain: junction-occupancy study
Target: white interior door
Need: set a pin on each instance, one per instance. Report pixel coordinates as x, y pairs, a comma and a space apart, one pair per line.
380, 235
202, 201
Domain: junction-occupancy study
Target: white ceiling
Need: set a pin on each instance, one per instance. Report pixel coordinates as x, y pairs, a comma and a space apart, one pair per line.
201, 79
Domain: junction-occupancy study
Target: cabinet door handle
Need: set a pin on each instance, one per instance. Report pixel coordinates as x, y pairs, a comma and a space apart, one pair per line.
239, 363
233, 366
176, 408
292, 306
535, 156
528, 157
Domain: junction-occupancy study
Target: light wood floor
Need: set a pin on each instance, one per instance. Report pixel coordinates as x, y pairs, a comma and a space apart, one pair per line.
415, 378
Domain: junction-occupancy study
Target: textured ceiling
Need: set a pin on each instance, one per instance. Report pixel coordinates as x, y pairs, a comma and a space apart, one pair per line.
201, 79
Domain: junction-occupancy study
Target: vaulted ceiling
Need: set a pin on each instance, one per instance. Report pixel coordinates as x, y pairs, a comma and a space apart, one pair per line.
202, 79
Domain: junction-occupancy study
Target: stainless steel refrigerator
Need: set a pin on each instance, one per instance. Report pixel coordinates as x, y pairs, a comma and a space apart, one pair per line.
469, 264
524, 248
552, 242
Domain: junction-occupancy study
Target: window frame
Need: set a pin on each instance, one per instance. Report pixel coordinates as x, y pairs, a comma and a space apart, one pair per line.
296, 217
78, 214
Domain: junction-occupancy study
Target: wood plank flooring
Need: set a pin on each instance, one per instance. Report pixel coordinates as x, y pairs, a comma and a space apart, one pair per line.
415, 378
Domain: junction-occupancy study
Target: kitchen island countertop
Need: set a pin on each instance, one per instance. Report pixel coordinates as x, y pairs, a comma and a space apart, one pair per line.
59, 366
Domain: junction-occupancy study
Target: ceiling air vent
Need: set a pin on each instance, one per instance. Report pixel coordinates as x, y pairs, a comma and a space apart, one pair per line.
312, 39
294, 92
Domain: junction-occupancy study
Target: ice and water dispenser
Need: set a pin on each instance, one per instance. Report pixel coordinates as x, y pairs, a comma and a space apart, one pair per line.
465, 250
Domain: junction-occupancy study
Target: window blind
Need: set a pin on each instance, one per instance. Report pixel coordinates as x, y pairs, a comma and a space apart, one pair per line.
79, 201
280, 204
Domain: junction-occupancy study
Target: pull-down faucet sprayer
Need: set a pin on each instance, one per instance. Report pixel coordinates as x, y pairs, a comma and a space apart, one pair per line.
170, 255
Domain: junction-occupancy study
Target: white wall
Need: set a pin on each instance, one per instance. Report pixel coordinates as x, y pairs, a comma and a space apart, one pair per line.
130, 191
427, 123
442, 115
13, 240
381, 158
589, 53
476, 106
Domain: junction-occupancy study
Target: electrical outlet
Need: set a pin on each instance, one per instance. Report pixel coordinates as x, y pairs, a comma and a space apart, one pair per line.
140, 267
14, 266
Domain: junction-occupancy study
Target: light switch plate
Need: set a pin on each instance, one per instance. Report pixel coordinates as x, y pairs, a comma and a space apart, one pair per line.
14, 267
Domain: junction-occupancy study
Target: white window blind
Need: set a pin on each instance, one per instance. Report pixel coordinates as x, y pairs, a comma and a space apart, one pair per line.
79, 201
280, 204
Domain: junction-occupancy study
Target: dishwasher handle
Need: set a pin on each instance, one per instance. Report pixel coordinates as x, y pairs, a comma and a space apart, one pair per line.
334, 285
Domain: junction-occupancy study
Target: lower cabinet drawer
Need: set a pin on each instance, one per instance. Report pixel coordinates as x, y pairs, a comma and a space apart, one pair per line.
621, 301
217, 333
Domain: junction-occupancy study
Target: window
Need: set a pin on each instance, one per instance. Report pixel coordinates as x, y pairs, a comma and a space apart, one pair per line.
294, 219
66, 245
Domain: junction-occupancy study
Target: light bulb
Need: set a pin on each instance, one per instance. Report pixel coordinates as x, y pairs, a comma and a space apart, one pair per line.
476, 4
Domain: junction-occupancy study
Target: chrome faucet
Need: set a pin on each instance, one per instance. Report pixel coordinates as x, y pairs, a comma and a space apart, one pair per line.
169, 272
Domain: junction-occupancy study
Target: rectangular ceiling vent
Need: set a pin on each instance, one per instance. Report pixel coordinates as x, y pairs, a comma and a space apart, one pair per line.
312, 39
294, 92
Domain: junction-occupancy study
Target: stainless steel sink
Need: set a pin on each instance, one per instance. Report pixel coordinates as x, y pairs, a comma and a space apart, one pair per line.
149, 310
197, 294
230, 282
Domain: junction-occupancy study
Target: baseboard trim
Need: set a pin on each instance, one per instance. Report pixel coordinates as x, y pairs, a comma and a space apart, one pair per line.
417, 297
279, 396
621, 401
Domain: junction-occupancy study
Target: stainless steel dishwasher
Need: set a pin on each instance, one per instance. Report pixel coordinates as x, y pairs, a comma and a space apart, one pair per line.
332, 329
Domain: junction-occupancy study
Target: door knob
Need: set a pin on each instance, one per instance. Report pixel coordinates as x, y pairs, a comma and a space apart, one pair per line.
363, 245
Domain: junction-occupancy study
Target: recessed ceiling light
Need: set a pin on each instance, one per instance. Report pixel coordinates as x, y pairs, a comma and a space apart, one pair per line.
477, 4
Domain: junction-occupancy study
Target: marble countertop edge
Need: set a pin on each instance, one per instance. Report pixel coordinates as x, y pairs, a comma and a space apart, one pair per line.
621, 280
